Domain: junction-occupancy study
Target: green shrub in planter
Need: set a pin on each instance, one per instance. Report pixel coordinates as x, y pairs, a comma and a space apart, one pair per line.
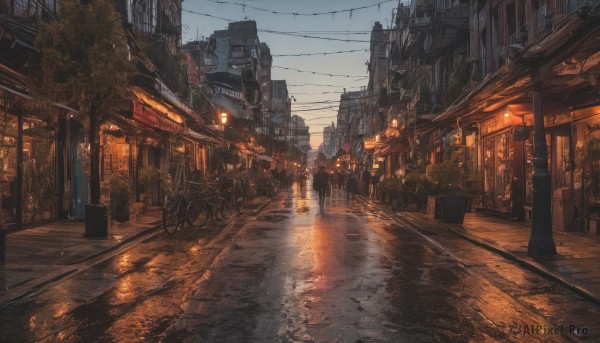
394, 187
149, 177
119, 197
418, 186
448, 178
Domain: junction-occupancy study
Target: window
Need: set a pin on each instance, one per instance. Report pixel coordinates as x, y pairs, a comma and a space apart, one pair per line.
237, 52
482, 53
511, 21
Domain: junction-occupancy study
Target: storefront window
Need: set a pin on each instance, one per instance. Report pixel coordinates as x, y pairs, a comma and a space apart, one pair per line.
488, 173
471, 155
562, 166
180, 158
39, 190
38, 182
497, 169
8, 162
592, 165
115, 157
503, 171
529, 155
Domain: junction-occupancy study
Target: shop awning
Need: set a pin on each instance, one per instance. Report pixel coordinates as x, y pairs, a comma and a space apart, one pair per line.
393, 149
28, 97
197, 135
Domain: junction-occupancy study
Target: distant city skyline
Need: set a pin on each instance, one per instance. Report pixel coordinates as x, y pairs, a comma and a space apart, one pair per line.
317, 95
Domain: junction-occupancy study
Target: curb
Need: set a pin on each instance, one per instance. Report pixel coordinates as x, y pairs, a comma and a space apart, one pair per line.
43, 282
120, 244
531, 266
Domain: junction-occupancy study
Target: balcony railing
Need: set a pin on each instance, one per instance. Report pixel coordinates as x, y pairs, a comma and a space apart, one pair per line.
549, 17
420, 22
171, 68
31, 9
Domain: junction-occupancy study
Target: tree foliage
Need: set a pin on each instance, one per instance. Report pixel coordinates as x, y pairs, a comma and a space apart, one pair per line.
83, 57
83, 62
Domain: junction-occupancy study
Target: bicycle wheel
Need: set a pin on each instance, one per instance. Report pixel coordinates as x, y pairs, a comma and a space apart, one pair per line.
197, 213
225, 210
238, 200
171, 217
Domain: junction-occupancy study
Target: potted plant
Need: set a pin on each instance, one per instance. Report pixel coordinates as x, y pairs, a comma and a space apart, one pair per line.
150, 178
119, 198
382, 189
419, 187
394, 191
452, 196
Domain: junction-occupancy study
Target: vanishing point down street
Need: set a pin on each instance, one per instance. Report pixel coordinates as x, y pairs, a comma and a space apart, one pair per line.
292, 271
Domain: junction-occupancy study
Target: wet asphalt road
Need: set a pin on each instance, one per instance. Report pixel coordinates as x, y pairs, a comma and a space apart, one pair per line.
299, 273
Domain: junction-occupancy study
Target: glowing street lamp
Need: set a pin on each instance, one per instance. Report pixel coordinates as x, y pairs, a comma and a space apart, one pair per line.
223, 116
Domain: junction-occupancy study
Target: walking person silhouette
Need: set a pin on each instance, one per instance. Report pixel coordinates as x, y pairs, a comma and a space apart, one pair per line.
320, 183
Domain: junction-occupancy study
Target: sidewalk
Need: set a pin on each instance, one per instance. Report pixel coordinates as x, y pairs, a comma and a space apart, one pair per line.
576, 265
40, 255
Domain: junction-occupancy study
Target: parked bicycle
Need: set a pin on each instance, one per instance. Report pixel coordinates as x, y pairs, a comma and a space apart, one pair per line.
175, 210
207, 201
195, 205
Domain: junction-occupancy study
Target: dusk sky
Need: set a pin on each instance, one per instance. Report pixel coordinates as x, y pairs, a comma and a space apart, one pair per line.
311, 91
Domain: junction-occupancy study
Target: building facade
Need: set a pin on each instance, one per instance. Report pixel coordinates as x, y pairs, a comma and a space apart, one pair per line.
466, 81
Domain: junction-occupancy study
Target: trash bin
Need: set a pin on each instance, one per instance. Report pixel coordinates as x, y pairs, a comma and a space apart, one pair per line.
563, 210
96, 220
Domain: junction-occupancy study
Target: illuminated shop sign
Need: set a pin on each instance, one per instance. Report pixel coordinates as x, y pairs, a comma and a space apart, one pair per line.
229, 92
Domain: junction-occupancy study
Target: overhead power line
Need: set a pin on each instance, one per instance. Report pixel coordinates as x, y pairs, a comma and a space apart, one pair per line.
317, 118
208, 15
282, 32
350, 10
318, 73
323, 53
316, 37
320, 85
315, 109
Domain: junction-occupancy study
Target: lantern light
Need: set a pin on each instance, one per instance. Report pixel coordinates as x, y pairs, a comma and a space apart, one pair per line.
223, 118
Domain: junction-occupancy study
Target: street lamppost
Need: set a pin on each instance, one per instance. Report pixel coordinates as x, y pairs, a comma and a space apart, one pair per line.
541, 241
